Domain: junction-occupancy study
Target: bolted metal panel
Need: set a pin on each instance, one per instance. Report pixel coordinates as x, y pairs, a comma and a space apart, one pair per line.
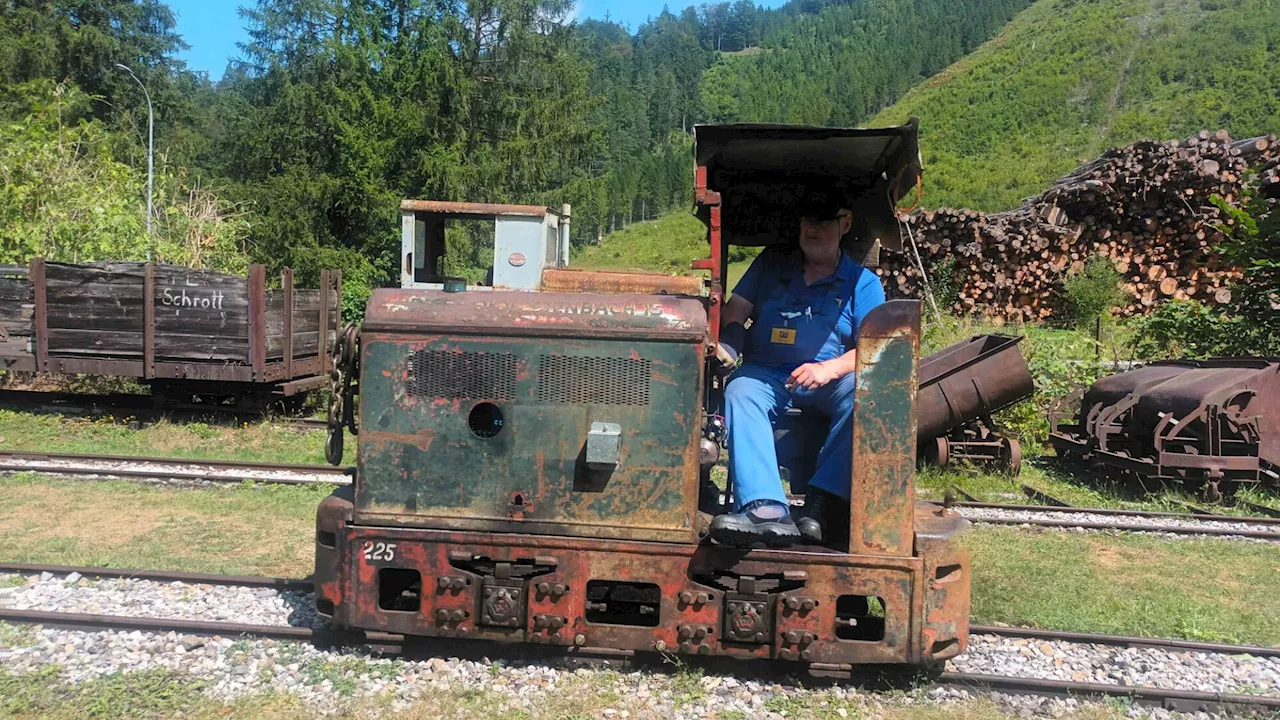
516, 457
594, 380
884, 431
461, 375
793, 603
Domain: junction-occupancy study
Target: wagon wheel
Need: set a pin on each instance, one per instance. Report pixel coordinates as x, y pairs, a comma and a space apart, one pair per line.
1011, 457
938, 453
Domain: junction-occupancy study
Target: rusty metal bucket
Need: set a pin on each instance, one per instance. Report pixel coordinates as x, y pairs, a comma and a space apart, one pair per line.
969, 381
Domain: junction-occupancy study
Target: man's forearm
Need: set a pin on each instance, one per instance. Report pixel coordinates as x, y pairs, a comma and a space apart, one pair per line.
845, 364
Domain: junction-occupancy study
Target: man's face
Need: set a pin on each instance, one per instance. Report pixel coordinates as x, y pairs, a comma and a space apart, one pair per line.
821, 233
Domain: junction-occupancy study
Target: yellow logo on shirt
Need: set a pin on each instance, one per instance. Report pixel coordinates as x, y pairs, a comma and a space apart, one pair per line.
783, 336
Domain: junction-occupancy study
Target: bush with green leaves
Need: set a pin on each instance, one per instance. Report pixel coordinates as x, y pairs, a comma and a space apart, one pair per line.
1094, 291
1247, 325
65, 196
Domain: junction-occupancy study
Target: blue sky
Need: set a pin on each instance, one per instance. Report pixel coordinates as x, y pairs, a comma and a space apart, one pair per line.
212, 27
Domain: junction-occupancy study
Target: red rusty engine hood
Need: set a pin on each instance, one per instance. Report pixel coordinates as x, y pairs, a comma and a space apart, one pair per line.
537, 314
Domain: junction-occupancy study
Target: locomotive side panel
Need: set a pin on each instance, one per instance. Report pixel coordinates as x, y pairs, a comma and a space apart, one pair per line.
502, 434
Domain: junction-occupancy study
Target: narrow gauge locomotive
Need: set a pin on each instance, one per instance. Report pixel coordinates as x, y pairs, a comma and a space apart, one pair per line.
531, 463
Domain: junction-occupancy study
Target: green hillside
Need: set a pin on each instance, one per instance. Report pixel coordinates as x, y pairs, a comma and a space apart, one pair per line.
1067, 79
665, 245
835, 62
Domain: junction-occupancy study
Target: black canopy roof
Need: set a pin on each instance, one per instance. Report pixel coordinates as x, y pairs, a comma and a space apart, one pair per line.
763, 172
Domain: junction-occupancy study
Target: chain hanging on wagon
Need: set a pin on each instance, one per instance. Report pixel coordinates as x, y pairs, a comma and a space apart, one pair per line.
343, 390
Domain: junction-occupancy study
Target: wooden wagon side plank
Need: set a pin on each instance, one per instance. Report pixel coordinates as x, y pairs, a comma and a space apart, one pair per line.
287, 281
258, 321
41, 327
324, 318
149, 322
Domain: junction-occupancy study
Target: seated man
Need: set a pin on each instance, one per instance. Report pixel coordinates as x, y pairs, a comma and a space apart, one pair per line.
806, 301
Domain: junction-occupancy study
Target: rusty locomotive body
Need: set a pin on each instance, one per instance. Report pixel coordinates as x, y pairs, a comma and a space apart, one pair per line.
530, 464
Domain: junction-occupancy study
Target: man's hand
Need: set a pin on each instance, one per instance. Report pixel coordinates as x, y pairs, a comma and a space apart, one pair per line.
812, 376
727, 361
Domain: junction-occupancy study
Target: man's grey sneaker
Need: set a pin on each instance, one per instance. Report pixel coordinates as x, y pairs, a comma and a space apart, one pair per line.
763, 523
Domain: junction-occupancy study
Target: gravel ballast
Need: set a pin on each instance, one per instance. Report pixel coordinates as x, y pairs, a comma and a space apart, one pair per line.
328, 679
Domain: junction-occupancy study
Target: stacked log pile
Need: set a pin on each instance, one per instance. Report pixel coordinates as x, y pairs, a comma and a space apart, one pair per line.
1271, 179
1146, 207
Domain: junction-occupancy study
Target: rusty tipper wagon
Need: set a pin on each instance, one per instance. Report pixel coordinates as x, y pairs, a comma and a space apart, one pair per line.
184, 331
530, 463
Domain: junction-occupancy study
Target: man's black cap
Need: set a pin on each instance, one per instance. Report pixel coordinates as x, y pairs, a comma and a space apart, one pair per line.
820, 204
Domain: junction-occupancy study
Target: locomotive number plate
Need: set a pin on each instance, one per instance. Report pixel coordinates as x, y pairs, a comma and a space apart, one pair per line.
378, 550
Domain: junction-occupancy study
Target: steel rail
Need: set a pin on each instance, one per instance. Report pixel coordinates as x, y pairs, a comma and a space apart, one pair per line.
1131, 527
1117, 511
195, 477
305, 585
1128, 641
246, 464
140, 407
76, 621
345, 472
302, 584
338, 473
81, 621
1194, 699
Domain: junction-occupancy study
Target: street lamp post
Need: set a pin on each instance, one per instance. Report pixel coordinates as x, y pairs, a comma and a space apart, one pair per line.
151, 153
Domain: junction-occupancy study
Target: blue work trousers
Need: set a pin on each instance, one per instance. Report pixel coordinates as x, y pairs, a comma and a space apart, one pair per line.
754, 398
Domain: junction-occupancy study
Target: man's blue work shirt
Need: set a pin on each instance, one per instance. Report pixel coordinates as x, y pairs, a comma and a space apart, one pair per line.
793, 323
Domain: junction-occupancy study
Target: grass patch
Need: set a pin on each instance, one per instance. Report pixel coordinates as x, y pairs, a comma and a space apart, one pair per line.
266, 530
1047, 476
789, 705
343, 674
686, 684
17, 636
254, 442
1197, 589
122, 695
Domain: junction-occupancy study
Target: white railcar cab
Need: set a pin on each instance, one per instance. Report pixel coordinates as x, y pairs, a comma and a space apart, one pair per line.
526, 240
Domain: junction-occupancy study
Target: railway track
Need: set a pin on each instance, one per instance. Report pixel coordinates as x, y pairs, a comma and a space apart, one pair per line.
1053, 512
1182, 699
144, 409
231, 471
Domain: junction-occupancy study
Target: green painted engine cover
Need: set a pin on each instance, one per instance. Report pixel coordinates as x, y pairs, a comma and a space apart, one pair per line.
486, 430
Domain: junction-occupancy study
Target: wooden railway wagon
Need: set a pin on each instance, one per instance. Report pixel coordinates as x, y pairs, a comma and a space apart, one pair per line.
183, 331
